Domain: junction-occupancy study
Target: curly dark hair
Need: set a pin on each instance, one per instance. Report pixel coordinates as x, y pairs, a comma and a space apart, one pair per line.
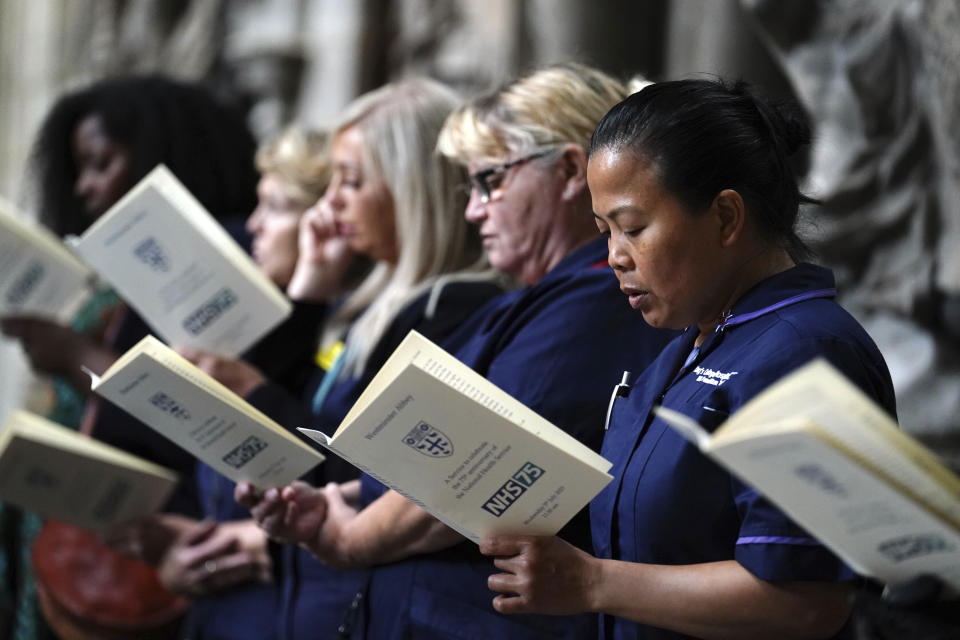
203, 142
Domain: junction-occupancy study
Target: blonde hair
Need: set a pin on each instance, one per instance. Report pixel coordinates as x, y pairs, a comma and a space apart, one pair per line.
300, 159
399, 124
556, 105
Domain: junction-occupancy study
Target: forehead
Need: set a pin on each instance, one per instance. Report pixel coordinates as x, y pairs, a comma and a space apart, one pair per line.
622, 178
90, 131
271, 184
348, 144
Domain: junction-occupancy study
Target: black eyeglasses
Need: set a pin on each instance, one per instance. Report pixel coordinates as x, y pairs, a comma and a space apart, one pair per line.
481, 179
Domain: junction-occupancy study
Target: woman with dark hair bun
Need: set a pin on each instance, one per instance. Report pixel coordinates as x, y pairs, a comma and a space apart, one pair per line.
692, 185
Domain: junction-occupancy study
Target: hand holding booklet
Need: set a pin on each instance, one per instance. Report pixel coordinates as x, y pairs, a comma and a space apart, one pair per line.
163, 390
452, 442
836, 463
63, 474
182, 272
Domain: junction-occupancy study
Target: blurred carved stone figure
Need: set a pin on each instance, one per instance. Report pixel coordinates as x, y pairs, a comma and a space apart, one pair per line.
879, 78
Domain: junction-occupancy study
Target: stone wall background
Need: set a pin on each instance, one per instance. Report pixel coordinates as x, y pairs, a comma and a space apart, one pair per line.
878, 77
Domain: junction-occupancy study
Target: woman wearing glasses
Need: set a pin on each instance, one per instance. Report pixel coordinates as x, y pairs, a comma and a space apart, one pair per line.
558, 345
692, 186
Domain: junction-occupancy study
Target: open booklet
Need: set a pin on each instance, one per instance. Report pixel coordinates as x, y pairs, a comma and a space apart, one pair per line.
449, 440
837, 464
62, 474
154, 384
39, 275
182, 272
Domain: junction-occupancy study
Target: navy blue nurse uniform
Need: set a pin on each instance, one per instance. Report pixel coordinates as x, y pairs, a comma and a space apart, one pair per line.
316, 599
557, 346
249, 611
668, 503
313, 599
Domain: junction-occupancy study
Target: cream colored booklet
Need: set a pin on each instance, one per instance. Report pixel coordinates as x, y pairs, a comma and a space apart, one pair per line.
154, 384
62, 474
837, 464
39, 275
181, 270
452, 442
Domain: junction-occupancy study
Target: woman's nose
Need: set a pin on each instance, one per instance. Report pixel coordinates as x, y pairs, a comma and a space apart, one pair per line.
476, 209
331, 198
255, 220
83, 185
617, 255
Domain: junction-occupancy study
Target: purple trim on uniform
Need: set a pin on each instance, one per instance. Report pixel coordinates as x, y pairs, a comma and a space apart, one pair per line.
730, 321
691, 357
778, 540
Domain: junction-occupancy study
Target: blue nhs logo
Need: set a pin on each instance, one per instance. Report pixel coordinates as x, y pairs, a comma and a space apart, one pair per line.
512, 489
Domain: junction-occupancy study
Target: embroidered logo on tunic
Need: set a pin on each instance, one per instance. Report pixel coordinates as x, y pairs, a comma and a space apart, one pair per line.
429, 441
712, 377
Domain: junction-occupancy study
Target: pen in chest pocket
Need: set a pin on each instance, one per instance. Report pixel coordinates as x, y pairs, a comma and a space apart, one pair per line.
621, 390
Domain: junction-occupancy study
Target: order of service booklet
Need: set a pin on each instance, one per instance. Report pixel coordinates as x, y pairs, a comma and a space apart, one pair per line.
452, 442
63, 474
156, 385
182, 272
39, 275
837, 464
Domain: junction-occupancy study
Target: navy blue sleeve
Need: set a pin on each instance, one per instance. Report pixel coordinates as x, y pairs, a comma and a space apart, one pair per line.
771, 545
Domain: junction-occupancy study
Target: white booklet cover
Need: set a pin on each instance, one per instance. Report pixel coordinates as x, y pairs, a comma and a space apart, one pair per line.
39, 275
836, 463
452, 442
157, 386
182, 272
63, 474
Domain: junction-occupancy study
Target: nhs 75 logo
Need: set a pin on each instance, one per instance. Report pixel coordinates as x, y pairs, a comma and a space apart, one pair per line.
512, 489
429, 441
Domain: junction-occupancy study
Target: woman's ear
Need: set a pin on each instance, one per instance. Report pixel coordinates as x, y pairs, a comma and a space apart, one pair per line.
731, 215
573, 162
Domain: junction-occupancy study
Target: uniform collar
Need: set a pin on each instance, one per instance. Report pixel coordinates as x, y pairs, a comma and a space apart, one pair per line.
591, 255
802, 282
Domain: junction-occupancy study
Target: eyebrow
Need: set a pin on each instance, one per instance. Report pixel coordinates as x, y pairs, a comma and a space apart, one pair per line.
612, 216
